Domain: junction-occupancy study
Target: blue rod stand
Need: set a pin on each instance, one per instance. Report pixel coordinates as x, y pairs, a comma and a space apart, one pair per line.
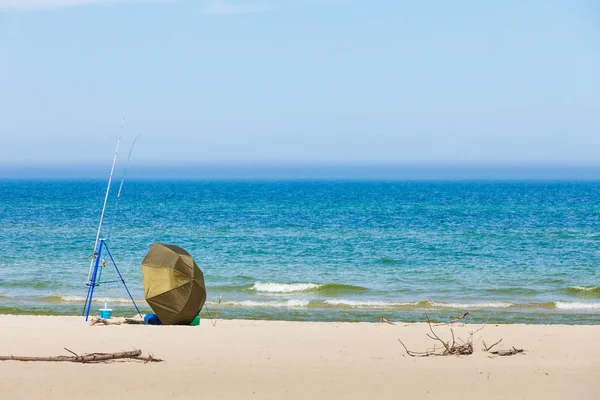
95, 281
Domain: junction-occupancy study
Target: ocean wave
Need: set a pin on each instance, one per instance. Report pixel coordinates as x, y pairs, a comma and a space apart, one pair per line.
28, 311
277, 304
244, 277
413, 305
355, 304
405, 306
33, 284
80, 299
372, 304
584, 291
467, 306
327, 289
338, 288
512, 290
273, 287
565, 305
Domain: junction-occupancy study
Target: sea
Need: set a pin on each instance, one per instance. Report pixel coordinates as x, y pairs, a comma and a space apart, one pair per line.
504, 251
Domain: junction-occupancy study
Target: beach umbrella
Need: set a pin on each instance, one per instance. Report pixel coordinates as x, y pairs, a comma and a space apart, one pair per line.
173, 284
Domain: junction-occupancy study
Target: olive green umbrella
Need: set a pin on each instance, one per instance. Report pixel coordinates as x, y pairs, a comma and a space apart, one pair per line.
173, 284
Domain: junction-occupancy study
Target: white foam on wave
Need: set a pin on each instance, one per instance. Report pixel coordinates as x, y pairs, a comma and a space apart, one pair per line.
565, 305
277, 304
74, 299
274, 287
471, 305
584, 288
381, 304
81, 299
367, 304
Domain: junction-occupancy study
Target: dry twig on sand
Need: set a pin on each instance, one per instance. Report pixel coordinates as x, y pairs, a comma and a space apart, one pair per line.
510, 352
463, 349
103, 321
383, 320
486, 348
454, 348
117, 321
135, 355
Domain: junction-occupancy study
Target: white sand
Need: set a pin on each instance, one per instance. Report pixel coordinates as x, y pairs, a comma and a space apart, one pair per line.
295, 360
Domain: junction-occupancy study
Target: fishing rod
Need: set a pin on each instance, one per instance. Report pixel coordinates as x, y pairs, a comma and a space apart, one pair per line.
213, 322
95, 272
94, 254
121, 187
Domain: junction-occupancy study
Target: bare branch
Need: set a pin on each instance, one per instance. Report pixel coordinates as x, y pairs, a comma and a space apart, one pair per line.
466, 314
416, 353
510, 352
72, 352
486, 348
87, 358
436, 337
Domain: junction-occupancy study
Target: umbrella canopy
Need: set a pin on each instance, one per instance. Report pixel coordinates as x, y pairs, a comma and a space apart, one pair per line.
173, 284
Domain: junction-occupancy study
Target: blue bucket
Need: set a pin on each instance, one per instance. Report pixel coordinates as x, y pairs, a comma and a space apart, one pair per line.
105, 313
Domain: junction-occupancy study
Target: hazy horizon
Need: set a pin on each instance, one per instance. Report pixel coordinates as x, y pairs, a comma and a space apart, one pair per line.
303, 172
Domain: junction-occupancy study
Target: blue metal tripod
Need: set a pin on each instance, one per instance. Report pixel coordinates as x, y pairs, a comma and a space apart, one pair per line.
96, 277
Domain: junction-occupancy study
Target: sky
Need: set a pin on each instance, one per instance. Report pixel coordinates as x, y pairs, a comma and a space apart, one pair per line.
310, 82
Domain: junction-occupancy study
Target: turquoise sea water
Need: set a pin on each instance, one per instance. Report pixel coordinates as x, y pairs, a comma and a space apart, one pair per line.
343, 251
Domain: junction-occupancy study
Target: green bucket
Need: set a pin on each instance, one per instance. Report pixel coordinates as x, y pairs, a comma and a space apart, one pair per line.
196, 321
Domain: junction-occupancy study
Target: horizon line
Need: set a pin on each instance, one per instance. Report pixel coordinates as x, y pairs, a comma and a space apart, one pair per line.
241, 171
306, 164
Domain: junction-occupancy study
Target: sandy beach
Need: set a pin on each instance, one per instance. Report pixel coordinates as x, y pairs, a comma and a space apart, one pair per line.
295, 360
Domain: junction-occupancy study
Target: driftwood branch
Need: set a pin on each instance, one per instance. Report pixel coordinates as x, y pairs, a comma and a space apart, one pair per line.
417, 353
466, 314
484, 325
87, 358
72, 352
457, 346
115, 321
134, 321
383, 320
435, 336
449, 348
103, 321
486, 348
510, 352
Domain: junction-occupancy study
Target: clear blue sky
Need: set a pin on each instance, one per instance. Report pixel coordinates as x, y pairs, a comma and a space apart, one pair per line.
303, 81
